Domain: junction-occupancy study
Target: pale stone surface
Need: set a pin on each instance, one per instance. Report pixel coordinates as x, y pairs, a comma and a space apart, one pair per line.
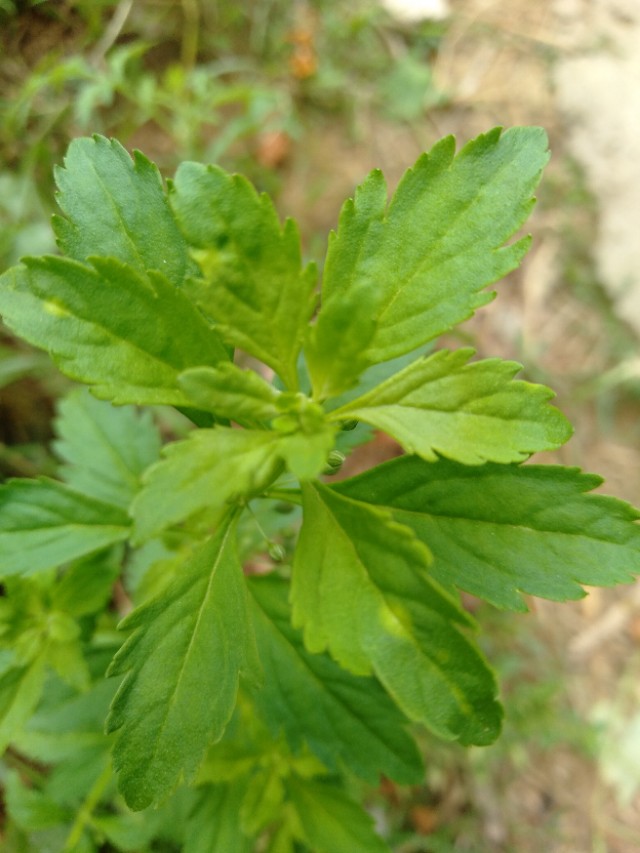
413, 11
598, 93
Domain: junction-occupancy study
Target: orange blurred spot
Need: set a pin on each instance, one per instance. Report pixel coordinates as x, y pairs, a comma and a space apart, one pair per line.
423, 819
274, 148
303, 62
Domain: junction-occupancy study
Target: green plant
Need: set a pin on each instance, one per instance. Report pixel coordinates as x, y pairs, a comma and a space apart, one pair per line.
270, 696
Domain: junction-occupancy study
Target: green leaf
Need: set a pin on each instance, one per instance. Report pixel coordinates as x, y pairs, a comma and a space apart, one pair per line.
87, 584
230, 392
331, 822
20, 690
348, 722
116, 207
399, 276
30, 808
361, 589
67, 729
306, 455
44, 524
214, 467
182, 666
129, 832
105, 449
254, 287
468, 412
214, 826
127, 334
209, 469
500, 531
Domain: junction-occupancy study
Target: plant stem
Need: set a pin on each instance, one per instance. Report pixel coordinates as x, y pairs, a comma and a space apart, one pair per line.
292, 496
86, 809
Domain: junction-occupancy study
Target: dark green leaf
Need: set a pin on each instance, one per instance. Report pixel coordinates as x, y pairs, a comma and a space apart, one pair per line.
87, 585
116, 207
331, 822
182, 665
254, 287
127, 334
362, 589
347, 721
501, 530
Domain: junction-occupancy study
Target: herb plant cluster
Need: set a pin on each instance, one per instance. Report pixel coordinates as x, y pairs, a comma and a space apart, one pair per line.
247, 705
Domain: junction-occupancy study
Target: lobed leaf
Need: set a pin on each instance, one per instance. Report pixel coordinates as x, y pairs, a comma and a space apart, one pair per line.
230, 392
182, 664
214, 467
44, 524
213, 826
347, 721
209, 469
116, 207
398, 276
331, 822
109, 326
501, 531
104, 449
468, 412
361, 588
254, 285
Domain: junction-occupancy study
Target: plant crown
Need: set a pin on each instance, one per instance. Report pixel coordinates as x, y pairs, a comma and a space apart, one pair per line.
270, 692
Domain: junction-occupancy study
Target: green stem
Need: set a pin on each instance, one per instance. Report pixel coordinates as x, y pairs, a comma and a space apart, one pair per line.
85, 811
190, 34
292, 496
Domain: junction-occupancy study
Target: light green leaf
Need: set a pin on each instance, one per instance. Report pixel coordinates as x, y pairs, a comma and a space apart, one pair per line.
398, 276
87, 584
346, 721
214, 826
127, 334
331, 822
182, 666
264, 800
209, 469
30, 808
105, 449
468, 412
500, 531
116, 207
306, 455
44, 524
214, 467
362, 589
230, 392
20, 690
254, 285
67, 729
130, 832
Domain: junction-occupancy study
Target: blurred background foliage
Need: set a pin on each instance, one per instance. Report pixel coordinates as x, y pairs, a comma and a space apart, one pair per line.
304, 98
